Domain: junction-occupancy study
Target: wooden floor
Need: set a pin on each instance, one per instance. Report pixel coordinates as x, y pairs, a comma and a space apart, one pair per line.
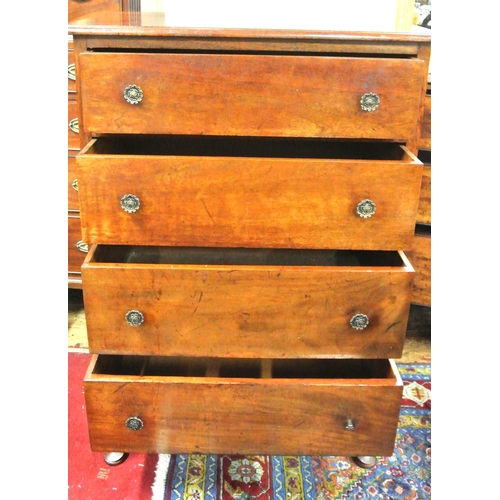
417, 346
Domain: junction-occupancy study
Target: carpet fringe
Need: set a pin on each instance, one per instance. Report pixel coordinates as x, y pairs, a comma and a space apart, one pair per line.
160, 476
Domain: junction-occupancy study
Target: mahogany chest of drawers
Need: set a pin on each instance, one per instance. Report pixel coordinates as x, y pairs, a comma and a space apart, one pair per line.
247, 197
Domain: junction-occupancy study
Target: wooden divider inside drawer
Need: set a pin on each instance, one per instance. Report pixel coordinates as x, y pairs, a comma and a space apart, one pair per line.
298, 407
246, 302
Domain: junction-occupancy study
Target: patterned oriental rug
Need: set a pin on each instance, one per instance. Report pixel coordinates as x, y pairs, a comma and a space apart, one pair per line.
404, 475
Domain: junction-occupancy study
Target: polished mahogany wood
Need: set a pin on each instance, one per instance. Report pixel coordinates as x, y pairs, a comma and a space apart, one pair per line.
263, 95
296, 309
299, 408
109, 27
230, 83
248, 201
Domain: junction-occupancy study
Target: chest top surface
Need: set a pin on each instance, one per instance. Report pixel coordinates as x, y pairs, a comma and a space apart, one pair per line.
290, 31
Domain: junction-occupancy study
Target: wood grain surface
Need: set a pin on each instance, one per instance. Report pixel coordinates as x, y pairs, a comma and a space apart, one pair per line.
247, 310
249, 202
263, 95
198, 414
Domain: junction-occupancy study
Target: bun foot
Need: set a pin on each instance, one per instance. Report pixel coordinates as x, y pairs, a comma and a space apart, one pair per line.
115, 457
366, 462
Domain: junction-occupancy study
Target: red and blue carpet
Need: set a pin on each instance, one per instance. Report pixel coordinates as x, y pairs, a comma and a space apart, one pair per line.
404, 475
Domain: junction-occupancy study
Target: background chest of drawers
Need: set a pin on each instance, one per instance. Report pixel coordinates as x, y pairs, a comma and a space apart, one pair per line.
247, 196
421, 251
77, 248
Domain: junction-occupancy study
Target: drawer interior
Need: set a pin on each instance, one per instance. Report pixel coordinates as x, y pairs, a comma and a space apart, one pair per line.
244, 256
318, 369
266, 147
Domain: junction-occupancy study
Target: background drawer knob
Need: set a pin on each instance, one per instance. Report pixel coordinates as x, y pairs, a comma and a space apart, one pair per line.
366, 208
359, 321
133, 94
370, 101
349, 425
82, 246
134, 423
130, 203
73, 126
134, 318
71, 72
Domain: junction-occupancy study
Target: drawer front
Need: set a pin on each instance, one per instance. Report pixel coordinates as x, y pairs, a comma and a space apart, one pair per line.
73, 203
258, 95
73, 125
248, 202
77, 249
292, 311
213, 414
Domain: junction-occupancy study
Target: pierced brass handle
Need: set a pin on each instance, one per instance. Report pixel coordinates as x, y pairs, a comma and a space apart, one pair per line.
73, 125
130, 203
349, 425
133, 94
134, 318
370, 101
72, 72
74, 184
82, 247
134, 423
366, 208
359, 321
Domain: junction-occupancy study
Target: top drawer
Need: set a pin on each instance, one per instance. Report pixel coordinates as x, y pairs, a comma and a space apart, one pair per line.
258, 95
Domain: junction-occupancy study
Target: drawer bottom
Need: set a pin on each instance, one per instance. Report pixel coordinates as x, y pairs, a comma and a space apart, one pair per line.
270, 407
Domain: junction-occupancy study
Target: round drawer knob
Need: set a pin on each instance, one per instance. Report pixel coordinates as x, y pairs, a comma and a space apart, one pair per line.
349, 425
73, 126
82, 246
71, 72
133, 94
134, 318
366, 208
370, 102
359, 321
130, 203
134, 423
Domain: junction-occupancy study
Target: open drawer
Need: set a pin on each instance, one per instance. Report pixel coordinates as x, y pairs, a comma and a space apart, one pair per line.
298, 407
248, 192
229, 302
251, 94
